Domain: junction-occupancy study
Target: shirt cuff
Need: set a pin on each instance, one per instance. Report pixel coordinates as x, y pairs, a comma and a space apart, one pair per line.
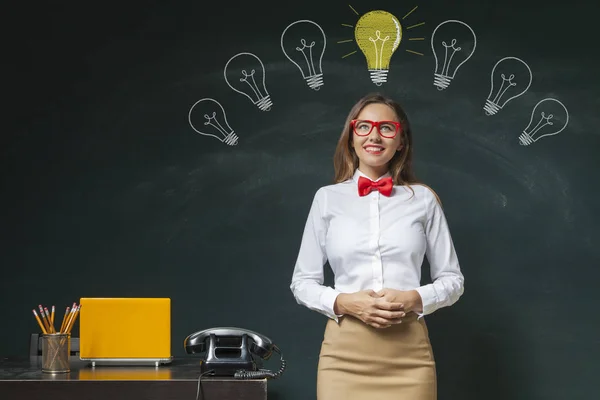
428, 298
328, 300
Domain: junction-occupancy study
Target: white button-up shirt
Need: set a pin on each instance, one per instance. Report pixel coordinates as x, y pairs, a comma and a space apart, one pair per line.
375, 242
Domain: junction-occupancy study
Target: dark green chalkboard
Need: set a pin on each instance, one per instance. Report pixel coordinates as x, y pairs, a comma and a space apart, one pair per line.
108, 191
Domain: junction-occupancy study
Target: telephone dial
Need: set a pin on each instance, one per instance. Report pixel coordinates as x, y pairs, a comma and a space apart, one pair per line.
229, 351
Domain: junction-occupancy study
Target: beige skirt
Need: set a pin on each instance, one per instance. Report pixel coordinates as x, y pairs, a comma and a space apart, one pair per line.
359, 362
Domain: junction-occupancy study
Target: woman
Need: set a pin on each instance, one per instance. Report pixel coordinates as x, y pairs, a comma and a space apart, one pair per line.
374, 226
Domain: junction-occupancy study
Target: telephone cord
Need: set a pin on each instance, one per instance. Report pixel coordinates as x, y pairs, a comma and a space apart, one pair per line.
211, 372
263, 373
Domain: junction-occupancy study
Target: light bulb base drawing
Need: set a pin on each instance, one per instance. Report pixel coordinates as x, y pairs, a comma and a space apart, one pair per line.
265, 103
378, 76
315, 82
491, 108
525, 139
441, 81
231, 139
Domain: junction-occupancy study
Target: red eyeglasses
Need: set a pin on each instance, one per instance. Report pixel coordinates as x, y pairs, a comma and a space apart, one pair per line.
387, 129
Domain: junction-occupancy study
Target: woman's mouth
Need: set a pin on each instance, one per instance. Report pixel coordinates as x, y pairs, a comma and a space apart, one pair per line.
371, 149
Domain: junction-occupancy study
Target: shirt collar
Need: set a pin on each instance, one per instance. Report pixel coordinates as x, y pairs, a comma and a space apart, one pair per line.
358, 174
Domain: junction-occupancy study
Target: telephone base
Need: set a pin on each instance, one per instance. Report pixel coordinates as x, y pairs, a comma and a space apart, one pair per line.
227, 367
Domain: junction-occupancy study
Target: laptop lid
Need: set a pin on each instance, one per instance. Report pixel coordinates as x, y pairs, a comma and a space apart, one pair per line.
125, 328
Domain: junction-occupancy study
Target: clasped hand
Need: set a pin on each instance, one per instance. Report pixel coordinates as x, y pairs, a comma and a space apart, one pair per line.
379, 309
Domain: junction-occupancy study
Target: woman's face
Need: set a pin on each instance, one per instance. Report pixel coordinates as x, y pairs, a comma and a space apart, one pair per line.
375, 150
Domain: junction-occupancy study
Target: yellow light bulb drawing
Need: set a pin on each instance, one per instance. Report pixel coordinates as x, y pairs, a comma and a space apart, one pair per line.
378, 34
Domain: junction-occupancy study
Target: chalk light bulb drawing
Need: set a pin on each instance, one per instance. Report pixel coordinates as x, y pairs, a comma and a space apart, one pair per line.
245, 74
303, 42
215, 121
453, 43
549, 117
378, 34
510, 78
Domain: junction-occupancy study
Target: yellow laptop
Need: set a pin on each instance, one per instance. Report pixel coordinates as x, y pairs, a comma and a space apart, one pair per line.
125, 331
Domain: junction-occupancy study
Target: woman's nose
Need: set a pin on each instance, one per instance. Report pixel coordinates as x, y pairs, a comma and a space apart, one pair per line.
375, 135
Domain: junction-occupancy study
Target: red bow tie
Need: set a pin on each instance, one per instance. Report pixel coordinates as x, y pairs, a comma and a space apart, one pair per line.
384, 185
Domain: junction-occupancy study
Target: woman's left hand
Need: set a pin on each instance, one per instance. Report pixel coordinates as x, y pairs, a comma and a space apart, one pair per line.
410, 298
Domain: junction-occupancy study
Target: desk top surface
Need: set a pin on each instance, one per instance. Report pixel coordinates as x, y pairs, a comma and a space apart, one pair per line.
30, 369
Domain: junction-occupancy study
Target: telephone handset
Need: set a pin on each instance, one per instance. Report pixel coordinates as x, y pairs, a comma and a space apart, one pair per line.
229, 352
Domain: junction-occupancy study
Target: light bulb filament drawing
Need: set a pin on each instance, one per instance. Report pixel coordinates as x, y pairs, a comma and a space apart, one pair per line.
379, 50
303, 42
502, 89
448, 60
309, 60
549, 117
518, 81
541, 124
215, 124
453, 43
212, 121
252, 85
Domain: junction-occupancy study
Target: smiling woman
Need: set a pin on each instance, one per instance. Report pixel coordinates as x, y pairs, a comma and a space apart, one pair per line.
369, 124
375, 225
376, 138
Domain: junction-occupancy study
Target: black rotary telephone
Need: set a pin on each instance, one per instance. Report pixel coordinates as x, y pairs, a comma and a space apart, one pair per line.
229, 352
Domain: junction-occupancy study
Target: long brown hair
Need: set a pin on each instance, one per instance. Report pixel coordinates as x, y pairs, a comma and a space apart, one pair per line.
345, 160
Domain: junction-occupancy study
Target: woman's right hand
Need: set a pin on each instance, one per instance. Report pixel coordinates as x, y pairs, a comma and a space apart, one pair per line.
367, 306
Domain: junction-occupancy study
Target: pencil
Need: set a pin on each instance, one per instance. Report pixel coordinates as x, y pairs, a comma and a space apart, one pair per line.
39, 322
62, 325
73, 309
52, 330
43, 316
67, 319
71, 314
74, 318
52, 316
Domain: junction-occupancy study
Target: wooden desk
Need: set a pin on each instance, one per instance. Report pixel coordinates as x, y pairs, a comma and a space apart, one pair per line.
22, 378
